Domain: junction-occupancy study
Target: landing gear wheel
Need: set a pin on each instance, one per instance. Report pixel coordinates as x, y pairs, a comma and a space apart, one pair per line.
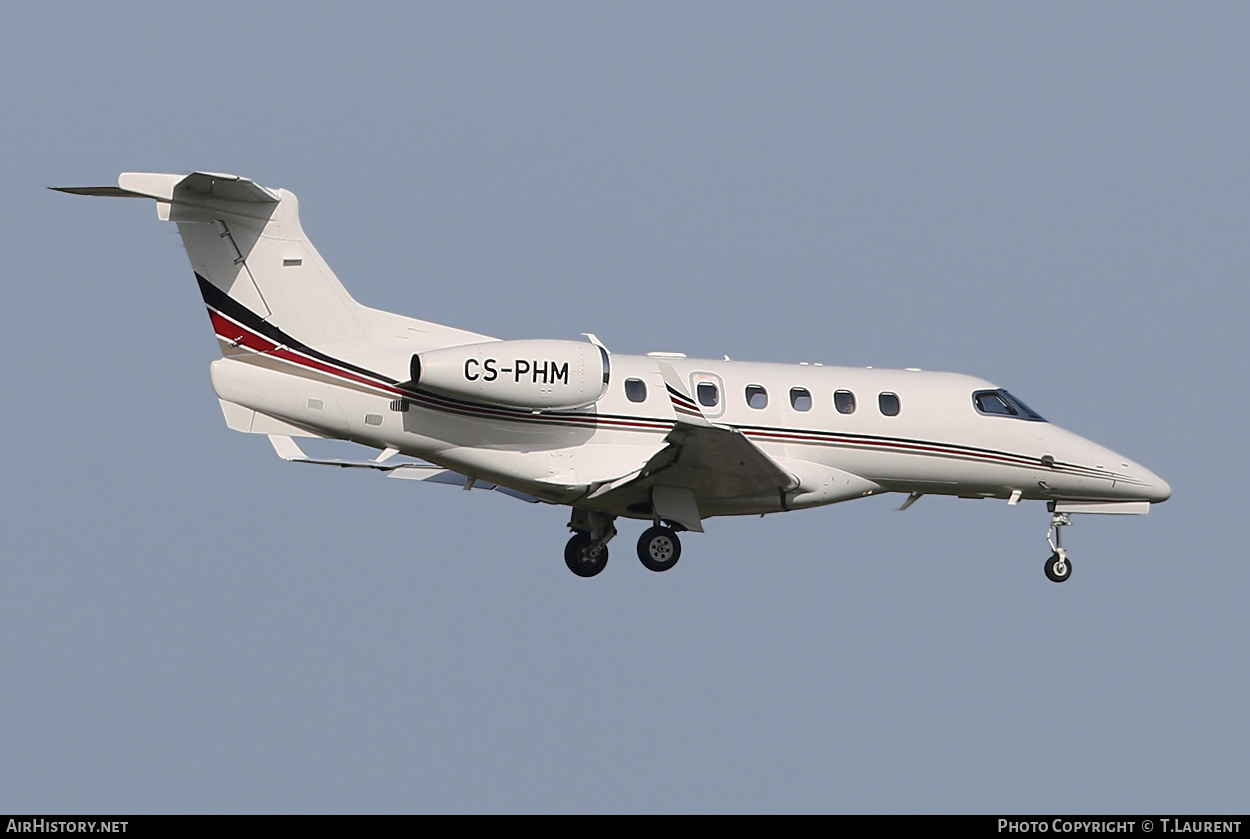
577, 556
1058, 568
659, 548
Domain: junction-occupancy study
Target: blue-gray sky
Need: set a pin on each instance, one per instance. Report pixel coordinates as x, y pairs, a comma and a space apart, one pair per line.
1051, 197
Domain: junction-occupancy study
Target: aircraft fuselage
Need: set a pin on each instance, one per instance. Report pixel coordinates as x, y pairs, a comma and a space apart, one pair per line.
660, 437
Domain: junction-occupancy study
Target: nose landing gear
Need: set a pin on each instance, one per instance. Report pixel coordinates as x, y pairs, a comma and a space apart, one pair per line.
1058, 567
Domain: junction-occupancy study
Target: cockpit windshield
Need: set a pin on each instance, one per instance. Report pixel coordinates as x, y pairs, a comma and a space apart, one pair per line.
1000, 403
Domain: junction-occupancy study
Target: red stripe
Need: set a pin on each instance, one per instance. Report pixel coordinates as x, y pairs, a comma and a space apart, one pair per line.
933, 448
239, 335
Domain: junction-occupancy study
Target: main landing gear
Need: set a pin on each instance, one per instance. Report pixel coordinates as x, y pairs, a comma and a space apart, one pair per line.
586, 553
1058, 567
659, 548
583, 558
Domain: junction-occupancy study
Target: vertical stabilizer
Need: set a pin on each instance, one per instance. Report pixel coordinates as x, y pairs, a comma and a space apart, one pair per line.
245, 241
249, 253
259, 274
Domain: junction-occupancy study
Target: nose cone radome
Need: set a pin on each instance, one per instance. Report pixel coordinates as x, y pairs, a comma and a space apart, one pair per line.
1158, 489
1150, 487
1141, 483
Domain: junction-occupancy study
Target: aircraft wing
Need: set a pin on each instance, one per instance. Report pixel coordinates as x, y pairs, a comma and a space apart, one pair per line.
290, 451
702, 461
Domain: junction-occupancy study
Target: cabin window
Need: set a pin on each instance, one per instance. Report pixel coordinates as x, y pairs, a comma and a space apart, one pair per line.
757, 397
844, 401
800, 399
635, 390
1000, 403
888, 403
709, 395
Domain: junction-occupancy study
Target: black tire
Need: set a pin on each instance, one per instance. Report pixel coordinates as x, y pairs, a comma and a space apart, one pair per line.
659, 548
577, 561
1052, 574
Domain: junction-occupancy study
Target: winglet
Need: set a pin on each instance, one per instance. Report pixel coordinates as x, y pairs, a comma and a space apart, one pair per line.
684, 407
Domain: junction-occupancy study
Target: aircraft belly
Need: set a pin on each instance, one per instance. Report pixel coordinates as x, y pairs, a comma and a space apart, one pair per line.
943, 472
525, 431
571, 469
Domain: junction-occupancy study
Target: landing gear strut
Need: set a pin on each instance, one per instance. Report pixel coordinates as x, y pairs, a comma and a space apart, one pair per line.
659, 548
586, 554
1058, 567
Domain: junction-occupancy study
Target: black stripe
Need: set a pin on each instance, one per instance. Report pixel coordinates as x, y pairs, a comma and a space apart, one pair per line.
871, 439
846, 440
233, 309
440, 401
679, 397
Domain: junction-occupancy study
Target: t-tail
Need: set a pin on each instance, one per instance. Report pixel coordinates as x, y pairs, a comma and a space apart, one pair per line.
258, 272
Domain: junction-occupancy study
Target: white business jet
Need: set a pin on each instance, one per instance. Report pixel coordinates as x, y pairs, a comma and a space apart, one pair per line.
662, 438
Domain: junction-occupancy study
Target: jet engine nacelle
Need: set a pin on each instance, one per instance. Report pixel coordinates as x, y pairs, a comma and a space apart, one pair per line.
538, 375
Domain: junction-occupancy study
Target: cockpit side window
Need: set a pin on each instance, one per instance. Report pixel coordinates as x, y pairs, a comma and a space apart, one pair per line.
990, 402
1025, 410
1000, 403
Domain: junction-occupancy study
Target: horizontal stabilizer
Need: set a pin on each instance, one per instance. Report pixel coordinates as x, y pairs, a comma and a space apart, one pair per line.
192, 189
104, 191
225, 187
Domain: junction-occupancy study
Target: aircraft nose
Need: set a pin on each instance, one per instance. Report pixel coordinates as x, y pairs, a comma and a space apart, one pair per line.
1158, 489
1144, 486
1152, 488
